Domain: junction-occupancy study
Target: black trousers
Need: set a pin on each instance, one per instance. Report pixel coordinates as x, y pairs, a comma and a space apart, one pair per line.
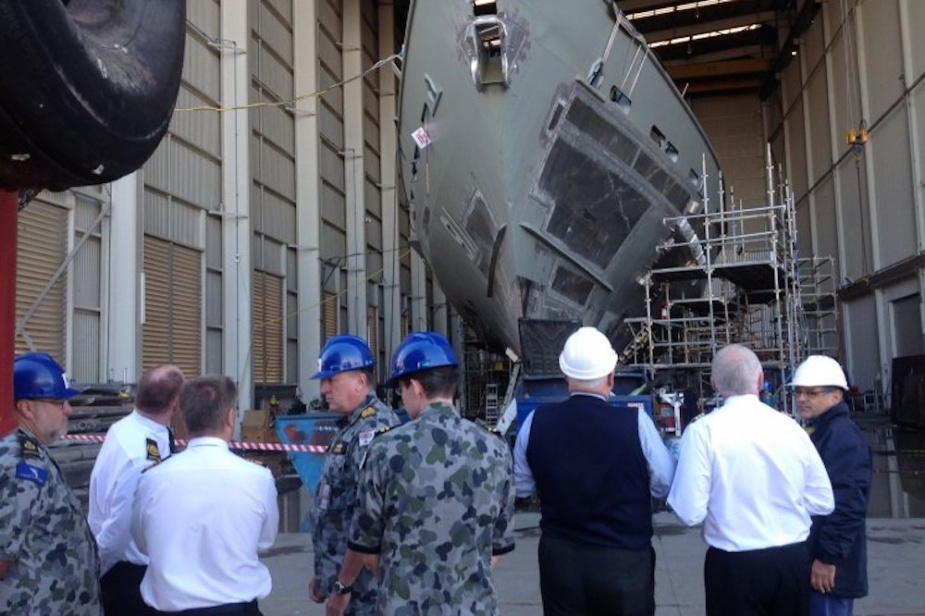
229, 609
121, 590
769, 582
587, 580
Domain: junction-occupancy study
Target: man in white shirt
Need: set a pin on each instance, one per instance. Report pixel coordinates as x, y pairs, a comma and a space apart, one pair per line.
754, 478
202, 515
132, 444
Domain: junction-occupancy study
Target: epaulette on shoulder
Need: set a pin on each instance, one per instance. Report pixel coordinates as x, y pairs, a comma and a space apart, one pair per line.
30, 446
152, 451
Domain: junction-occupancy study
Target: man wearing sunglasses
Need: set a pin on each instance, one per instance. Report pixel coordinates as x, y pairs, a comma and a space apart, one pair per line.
48, 557
838, 541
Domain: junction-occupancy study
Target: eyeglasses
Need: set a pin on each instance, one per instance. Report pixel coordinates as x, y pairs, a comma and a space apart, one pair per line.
810, 393
58, 403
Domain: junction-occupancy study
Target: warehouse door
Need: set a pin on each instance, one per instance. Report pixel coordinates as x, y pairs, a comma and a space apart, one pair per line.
40, 297
267, 349
172, 328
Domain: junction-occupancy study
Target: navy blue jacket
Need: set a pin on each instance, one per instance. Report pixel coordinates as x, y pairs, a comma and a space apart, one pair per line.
840, 538
591, 474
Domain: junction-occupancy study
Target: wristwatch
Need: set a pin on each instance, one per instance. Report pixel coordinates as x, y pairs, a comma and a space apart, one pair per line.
340, 589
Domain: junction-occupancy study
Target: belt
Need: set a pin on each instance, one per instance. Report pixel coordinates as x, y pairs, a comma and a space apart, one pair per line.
249, 607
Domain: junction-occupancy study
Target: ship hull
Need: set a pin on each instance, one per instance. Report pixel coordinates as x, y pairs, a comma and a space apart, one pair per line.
537, 184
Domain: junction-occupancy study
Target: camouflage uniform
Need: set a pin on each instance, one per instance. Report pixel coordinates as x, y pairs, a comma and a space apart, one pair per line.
335, 501
43, 531
436, 502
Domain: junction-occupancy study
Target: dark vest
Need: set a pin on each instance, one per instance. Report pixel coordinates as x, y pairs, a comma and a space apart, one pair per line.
591, 473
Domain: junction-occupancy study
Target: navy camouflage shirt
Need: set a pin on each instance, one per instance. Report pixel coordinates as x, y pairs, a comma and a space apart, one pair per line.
44, 533
336, 499
436, 502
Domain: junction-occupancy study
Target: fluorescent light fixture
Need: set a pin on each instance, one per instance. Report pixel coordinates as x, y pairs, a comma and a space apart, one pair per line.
690, 6
705, 35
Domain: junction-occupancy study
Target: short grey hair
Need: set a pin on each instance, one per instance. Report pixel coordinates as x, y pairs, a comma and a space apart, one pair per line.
204, 403
735, 371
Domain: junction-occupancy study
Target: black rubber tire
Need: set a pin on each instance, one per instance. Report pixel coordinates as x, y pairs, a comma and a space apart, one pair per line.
87, 87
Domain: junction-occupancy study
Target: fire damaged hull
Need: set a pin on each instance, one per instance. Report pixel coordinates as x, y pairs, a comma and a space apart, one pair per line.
542, 147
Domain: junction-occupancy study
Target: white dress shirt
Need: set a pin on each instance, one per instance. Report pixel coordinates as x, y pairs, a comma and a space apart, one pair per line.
118, 466
661, 464
751, 475
201, 517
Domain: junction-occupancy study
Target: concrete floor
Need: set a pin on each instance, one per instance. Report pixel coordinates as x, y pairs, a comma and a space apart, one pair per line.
896, 568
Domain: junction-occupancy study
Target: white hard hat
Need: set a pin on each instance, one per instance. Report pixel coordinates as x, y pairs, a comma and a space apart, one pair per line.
819, 371
587, 355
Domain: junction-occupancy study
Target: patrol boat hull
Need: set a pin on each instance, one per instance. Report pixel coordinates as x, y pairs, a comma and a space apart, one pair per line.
542, 145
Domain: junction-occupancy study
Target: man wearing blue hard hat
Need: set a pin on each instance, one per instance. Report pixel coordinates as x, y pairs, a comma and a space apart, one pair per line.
346, 369
436, 497
48, 558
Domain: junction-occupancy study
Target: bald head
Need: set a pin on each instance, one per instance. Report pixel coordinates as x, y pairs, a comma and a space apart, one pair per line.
736, 371
159, 391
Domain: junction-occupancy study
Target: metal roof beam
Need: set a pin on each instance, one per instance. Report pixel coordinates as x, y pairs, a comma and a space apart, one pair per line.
700, 70
733, 53
634, 6
721, 86
705, 27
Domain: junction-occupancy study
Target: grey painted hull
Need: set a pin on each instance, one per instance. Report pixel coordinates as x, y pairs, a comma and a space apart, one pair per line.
541, 188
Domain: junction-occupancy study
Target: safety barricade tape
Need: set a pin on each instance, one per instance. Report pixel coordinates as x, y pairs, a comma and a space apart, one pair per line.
98, 438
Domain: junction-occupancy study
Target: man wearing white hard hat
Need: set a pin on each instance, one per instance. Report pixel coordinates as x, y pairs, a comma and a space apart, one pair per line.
837, 541
596, 468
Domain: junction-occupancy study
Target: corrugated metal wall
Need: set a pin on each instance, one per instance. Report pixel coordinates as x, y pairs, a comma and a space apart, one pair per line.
734, 124
372, 180
60, 286
182, 181
202, 88
86, 363
171, 330
861, 66
41, 298
332, 168
273, 200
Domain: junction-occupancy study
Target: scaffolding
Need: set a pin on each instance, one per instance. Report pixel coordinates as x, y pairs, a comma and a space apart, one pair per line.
744, 282
486, 377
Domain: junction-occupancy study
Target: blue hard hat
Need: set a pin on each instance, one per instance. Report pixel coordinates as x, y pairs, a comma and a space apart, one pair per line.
420, 351
342, 354
38, 375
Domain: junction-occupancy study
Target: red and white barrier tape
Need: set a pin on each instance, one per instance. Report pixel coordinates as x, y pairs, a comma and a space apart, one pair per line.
98, 438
